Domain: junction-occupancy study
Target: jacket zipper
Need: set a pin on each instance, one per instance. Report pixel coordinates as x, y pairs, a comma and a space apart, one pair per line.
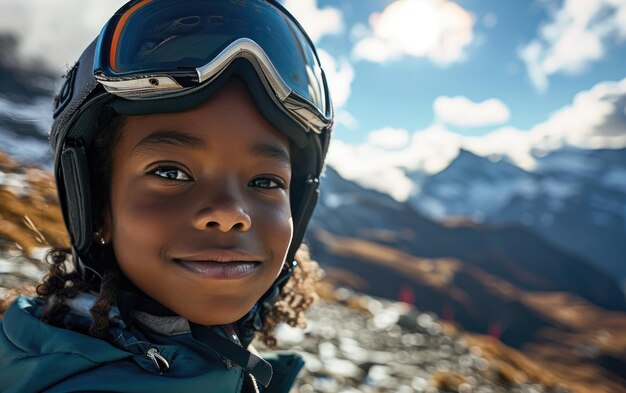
159, 361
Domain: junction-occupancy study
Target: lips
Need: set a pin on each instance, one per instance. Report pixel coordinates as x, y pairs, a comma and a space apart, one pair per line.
220, 270
220, 264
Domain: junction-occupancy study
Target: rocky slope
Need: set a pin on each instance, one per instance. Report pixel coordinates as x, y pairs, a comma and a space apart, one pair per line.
357, 343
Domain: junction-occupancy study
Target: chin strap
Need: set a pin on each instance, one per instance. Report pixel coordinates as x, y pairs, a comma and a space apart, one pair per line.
257, 367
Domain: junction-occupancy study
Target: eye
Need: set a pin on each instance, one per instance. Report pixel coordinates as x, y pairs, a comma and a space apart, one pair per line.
268, 182
170, 173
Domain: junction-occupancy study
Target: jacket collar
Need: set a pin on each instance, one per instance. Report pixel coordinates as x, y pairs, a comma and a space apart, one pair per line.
26, 331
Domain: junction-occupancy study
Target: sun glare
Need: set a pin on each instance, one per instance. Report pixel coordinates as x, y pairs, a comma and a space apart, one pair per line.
412, 24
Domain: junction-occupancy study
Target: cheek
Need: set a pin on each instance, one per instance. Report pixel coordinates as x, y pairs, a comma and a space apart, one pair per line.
141, 222
278, 229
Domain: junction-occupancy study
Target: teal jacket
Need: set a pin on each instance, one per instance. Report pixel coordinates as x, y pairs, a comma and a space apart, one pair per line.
35, 357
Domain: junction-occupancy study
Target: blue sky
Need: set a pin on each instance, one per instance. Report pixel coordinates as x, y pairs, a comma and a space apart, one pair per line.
400, 93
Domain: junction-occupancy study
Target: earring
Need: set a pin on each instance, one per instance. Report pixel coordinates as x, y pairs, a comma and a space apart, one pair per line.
99, 238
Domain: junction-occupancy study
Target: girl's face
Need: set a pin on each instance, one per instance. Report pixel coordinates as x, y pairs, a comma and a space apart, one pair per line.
200, 218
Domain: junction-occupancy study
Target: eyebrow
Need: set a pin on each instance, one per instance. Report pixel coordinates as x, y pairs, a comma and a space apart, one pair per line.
168, 137
177, 138
272, 152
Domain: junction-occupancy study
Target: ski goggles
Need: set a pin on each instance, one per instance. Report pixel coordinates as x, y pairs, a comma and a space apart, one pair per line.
164, 48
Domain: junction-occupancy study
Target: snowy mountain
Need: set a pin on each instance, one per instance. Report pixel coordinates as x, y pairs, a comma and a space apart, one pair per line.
512, 252
470, 186
575, 198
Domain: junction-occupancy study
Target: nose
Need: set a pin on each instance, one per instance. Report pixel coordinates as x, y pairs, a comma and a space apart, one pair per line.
223, 212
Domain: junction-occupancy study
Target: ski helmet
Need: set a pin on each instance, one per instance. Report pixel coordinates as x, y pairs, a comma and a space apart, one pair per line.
163, 56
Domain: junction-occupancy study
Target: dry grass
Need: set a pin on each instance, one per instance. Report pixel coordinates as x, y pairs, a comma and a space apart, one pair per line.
581, 334
337, 277
31, 219
437, 272
509, 365
447, 381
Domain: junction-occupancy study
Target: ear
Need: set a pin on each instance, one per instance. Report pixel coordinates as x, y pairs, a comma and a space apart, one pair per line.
107, 226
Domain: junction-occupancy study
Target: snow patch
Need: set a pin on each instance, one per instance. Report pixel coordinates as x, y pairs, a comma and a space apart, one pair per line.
286, 334
615, 179
15, 183
448, 190
432, 207
38, 112
22, 267
570, 163
558, 189
335, 200
38, 253
485, 197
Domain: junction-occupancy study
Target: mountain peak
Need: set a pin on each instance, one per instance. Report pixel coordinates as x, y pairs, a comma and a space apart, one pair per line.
471, 165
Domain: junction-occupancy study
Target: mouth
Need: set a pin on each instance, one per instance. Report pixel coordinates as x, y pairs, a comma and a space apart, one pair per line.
220, 264
220, 270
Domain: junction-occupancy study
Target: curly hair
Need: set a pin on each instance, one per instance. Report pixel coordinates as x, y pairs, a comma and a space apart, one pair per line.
295, 298
63, 281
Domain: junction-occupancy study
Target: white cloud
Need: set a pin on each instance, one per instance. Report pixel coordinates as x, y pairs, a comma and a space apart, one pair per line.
461, 111
577, 35
531, 55
316, 21
595, 119
432, 149
55, 32
511, 142
389, 138
340, 75
372, 167
384, 168
346, 119
436, 29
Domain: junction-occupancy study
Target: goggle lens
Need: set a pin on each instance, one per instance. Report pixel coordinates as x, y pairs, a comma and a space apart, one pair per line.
164, 36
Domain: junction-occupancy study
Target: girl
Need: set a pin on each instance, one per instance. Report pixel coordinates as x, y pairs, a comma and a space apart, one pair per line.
188, 142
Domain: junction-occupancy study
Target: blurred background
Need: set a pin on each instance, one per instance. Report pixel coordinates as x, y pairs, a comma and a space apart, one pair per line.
475, 194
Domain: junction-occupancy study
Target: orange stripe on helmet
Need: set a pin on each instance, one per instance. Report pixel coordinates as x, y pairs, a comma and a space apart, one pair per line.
118, 32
